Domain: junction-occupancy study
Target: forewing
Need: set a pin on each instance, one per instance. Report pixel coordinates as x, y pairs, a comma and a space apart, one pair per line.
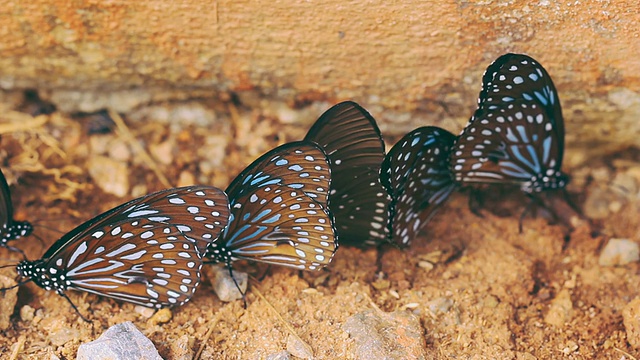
6, 207
353, 143
300, 165
517, 77
199, 212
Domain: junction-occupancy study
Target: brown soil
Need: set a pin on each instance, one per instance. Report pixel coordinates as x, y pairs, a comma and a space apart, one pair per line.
537, 294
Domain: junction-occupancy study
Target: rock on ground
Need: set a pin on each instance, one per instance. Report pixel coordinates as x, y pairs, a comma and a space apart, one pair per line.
378, 335
619, 252
120, 342
225, 287
631, 320
8, 301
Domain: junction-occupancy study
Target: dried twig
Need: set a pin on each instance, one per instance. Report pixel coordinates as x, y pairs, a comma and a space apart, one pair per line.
286, 324
206, 338
126, 133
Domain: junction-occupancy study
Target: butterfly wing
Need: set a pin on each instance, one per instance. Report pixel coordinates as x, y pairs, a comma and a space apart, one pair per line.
517, 134
281, 226
147, 251
274, 222
354, 146
149, 264
6, 207
416, 174
514, 77
299, 165
199, 212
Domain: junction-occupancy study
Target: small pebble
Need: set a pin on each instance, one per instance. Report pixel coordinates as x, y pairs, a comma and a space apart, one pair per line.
619, 252
225, 287
299, 348
120, 342
560, 310
425, 265
109, 175
118, 150
8, 300
631, 321
282, 355
64, 335
377, 335
186, 178
596, 205
440, 305
163, 315
162, 152
27, 313
181, 349
146, 312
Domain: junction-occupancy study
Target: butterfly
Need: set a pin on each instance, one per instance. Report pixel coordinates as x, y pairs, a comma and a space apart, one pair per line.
354, 146
416, 175
516, 136
147, 251
10, 229
279, 211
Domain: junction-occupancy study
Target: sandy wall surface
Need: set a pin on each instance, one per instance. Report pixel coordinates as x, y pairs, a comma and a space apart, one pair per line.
410, 63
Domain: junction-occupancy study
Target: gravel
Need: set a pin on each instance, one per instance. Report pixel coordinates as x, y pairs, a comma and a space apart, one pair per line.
120, 342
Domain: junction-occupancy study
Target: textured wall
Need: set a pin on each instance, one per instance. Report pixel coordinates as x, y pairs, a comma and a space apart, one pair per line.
411, 62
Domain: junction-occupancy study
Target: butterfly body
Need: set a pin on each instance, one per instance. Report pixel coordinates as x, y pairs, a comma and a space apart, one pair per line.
516, 136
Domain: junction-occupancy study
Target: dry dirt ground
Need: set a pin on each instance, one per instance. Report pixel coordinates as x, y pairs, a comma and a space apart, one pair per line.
480, 288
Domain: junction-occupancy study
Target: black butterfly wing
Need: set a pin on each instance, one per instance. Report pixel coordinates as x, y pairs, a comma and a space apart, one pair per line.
299, 165
511, 144
416, 174
353, 143
518, 77
6, 206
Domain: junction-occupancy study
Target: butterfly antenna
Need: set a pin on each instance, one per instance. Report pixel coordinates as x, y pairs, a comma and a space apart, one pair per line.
244, 298
20, 283
75, 307
15, 249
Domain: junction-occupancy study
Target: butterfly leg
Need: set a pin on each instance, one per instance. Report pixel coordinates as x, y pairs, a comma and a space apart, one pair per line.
244, 298
476, 201
74, 307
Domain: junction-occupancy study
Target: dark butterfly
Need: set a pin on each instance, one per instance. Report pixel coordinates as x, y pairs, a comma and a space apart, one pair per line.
354, 146
10, 229
279, 211
416, 174
147, 251
516, 136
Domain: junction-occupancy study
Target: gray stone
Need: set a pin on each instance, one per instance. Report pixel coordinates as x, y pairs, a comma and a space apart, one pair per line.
282, 355
120, 342
378, 335
299, 348
619, 252
225, 287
